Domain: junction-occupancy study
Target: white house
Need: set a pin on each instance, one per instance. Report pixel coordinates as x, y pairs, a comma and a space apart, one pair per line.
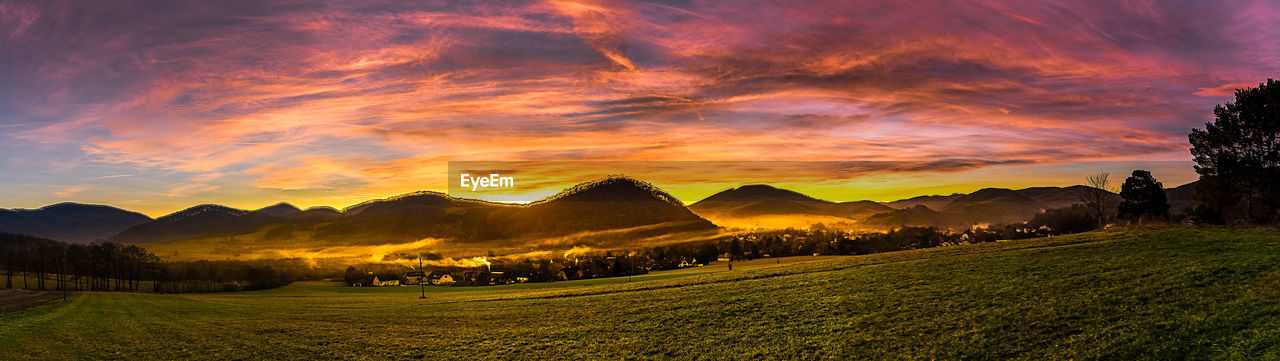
440, 278
380, 283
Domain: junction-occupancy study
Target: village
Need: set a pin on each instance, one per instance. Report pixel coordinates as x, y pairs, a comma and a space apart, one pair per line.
815, 241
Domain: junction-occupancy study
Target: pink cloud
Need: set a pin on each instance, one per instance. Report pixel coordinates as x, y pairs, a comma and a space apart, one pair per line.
1224, 90
377, 97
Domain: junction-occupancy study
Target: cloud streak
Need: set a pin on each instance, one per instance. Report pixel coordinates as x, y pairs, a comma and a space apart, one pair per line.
374, 97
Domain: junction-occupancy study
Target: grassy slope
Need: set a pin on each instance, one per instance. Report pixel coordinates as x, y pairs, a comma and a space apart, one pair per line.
1159, 294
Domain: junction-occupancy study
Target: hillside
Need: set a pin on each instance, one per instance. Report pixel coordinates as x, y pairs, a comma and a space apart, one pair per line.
612, 203
933, 202
606, 213
761, 200
279, 210
1181, 198
1165, 293
917, 216
70, 222
1055, 197
994, 206
200, 221
755, 206
765, 206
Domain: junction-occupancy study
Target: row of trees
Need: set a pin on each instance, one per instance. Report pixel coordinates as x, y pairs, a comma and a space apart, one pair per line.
1142, 199
100, 266
41, 264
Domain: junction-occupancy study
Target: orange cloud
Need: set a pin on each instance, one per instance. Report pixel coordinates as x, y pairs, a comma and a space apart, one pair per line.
333, 101
1224, 90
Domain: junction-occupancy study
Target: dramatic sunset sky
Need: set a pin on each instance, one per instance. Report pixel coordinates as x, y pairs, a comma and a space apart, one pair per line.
158, 105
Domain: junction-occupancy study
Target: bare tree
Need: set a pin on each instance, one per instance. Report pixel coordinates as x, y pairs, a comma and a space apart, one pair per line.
1095, 195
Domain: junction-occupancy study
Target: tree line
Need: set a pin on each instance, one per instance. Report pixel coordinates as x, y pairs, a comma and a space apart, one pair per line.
816, 240
41, 264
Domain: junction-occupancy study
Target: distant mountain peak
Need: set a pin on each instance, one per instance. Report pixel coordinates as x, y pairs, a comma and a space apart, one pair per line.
991, 193
67, 205
64, 206
757, 188
756, 200
195, 222
199, 210
612, 188
281, 209
762, 191
358, 207
70, 222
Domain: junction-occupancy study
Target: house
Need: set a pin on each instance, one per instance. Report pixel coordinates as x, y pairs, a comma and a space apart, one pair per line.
414, 277
498, 278
687, 262
440, 278
376, 280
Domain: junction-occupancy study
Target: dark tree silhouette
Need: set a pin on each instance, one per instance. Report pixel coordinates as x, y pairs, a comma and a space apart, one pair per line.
1238, 158
352, 275
1142, 197
114, 267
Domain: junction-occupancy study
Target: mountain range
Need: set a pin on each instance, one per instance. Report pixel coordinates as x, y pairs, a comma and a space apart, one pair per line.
751, 203
614, 210
624, 206
70, 222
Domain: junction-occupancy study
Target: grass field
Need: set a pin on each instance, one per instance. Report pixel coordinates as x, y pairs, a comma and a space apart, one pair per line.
1171, 293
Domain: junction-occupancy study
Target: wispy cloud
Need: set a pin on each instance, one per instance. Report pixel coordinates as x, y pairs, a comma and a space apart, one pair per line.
374, 97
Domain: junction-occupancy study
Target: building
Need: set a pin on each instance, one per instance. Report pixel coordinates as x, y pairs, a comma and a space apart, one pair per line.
687, 262
373, 280
440, 278
413, 277
498, 278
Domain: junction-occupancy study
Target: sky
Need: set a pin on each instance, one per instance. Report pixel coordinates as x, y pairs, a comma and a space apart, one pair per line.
155, 106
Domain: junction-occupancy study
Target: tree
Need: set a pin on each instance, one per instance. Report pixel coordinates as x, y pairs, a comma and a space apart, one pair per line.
735, 249
1096, 195
1142, 196
1238, 158
352, 275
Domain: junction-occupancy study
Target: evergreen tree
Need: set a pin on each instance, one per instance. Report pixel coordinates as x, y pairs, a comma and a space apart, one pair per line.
1142, 197
1238, 158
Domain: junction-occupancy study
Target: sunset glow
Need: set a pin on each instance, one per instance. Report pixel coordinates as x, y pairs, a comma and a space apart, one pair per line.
156, 107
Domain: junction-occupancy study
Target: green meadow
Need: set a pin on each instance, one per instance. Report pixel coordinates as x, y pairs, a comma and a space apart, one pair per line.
1155, 293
